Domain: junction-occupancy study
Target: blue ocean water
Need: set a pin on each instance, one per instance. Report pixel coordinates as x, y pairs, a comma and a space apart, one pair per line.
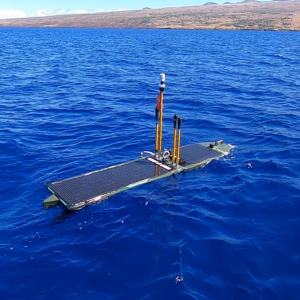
77, 100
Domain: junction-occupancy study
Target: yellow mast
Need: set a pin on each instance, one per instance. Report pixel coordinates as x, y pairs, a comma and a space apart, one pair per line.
161, 121
179, 141
174, 139
156, 130
159, 112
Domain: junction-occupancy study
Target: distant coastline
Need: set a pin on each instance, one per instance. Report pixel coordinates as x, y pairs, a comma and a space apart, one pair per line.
281, 15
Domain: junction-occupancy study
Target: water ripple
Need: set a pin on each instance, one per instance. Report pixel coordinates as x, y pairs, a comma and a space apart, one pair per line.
77, 100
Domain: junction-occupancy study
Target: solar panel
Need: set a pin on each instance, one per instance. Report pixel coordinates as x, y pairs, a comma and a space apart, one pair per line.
95, 186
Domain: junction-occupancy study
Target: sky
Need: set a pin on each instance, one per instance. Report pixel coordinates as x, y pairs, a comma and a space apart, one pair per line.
33, 8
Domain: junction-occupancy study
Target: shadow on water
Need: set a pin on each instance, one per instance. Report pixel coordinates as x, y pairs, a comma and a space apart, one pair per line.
61, 215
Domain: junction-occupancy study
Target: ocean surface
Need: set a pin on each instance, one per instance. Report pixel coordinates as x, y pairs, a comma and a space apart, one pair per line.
77, 100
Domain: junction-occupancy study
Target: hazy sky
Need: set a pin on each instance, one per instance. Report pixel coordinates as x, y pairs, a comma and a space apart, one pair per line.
27, 8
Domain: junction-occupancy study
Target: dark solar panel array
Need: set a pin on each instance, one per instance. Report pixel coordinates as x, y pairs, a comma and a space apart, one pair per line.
89, 186
86, 187
196, 153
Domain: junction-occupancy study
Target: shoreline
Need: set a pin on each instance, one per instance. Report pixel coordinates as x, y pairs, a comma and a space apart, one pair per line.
260, 16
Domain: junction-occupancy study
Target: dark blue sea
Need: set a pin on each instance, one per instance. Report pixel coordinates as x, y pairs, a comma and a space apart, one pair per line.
78, 100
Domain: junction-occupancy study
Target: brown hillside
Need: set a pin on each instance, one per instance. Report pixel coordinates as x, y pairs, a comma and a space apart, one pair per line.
275, 15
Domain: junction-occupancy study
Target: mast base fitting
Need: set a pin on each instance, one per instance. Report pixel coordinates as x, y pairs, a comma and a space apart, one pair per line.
182, 162
162, 87
212, 145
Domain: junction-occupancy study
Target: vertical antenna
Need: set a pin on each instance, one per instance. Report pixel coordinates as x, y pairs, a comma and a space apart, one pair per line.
156, 131
179, 140
174, 139
160, 106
